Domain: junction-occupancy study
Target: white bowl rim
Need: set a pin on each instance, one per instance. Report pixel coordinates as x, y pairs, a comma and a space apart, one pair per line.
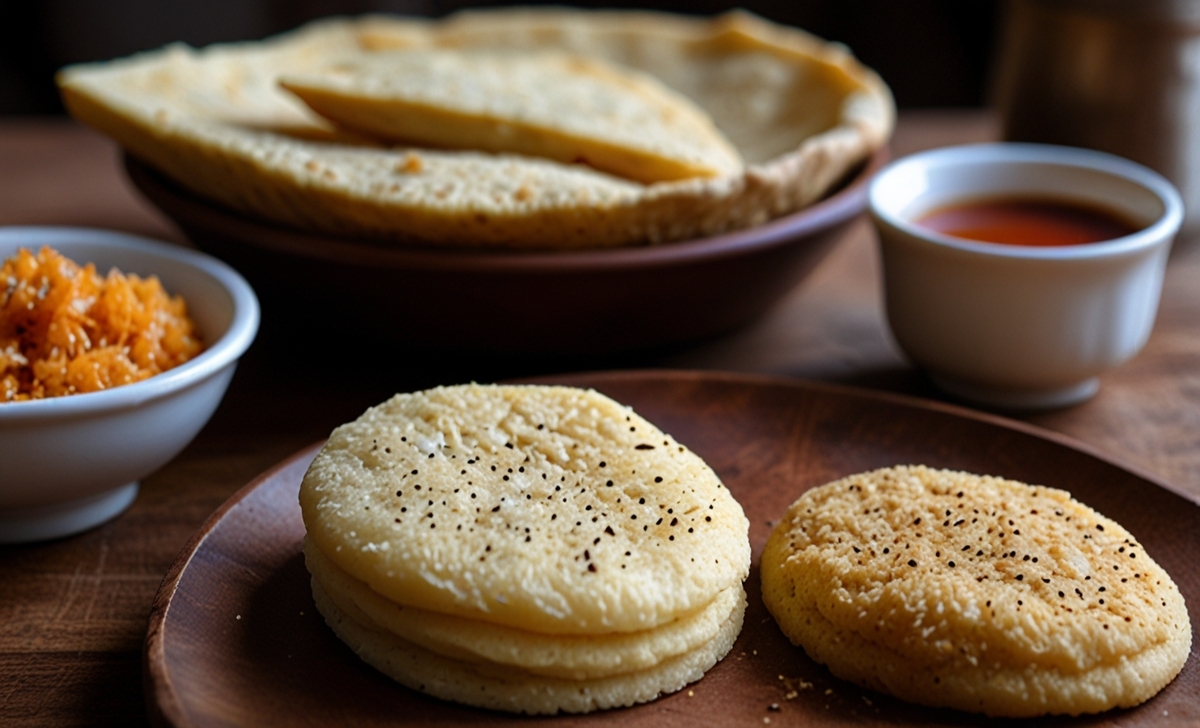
1164, 228
224, 351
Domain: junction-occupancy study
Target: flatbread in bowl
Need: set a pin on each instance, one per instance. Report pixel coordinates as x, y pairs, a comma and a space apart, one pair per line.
800, 113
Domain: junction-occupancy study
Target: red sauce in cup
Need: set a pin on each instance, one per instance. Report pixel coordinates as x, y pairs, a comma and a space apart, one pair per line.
1033, 221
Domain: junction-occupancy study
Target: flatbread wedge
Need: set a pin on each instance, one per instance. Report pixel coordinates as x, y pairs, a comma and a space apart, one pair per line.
564, 107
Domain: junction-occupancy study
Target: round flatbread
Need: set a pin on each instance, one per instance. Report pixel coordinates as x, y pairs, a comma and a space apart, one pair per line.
548, 509
503, 688
974, 592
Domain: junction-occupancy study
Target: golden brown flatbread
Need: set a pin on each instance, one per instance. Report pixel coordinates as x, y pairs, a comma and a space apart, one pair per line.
974, 592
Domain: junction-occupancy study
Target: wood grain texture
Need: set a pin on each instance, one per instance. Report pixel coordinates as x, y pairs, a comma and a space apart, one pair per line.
236, 640
74, 612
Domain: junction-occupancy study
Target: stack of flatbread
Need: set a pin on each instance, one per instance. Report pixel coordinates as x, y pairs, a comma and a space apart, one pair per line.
524, 128
528, 549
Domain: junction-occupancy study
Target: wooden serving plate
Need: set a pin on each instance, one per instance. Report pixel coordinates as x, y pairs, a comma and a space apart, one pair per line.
235, 639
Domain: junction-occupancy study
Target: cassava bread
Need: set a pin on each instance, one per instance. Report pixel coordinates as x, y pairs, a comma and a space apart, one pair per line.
524, 548
974, 592
801, 113
568, 108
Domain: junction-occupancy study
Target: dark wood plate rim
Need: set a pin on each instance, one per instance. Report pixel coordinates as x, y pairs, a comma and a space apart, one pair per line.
162, 700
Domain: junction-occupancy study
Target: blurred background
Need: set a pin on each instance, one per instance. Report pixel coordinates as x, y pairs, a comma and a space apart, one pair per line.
933, 53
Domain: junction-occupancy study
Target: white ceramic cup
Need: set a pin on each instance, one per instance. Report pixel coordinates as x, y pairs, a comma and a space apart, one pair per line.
1014, 326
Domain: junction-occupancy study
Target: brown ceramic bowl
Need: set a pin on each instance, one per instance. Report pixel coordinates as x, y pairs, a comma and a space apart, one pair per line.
566, 304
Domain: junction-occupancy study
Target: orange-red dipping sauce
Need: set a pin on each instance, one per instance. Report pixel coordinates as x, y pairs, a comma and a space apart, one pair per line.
1034, 221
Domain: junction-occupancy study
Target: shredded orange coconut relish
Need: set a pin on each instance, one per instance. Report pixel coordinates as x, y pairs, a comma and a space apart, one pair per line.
64, 329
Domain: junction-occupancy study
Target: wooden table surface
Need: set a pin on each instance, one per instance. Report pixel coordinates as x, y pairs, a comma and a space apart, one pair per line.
73, 613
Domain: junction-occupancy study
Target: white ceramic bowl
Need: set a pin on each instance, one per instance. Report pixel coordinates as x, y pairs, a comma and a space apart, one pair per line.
1016, 326
70, 463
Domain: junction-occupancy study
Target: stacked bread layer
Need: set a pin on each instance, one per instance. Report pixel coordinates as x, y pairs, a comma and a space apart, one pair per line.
530, 549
